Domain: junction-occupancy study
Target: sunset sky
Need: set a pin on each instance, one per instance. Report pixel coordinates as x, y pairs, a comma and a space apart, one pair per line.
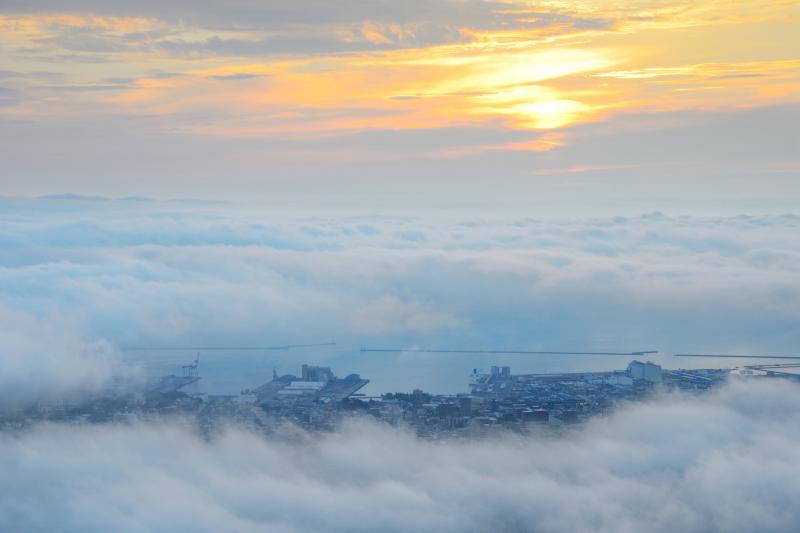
634, 104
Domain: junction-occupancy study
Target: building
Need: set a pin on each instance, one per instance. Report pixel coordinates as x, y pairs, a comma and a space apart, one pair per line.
648, 371
316, 384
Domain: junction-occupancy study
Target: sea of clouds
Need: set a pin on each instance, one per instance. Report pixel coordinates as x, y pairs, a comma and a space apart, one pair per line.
723, 462
83, 279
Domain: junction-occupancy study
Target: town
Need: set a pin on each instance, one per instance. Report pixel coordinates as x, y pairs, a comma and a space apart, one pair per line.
496, 401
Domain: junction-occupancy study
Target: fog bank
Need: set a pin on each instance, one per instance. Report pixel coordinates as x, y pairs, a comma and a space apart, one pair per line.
726, 461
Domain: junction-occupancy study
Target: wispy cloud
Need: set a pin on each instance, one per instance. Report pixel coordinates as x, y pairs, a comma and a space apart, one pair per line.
536, 67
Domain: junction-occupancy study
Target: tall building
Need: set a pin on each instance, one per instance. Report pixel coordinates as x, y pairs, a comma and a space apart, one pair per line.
645, 371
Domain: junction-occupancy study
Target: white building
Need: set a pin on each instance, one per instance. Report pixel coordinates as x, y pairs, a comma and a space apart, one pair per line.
646, 371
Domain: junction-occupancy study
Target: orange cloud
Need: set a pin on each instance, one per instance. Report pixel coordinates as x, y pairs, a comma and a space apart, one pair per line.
605, 57
36, 25
544, 143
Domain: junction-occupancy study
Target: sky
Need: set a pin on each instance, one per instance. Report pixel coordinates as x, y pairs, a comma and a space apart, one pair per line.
552, 106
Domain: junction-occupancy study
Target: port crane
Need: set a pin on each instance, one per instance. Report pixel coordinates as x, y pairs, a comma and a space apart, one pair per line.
190, 371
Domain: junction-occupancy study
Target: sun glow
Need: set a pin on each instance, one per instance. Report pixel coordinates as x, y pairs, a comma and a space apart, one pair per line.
550, 66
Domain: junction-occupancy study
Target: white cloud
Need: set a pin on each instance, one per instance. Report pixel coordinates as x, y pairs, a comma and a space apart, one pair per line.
726, 461
78, 277
46, 360
137, 273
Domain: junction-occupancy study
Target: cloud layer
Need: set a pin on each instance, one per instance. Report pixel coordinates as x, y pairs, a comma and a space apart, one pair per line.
139, 273
45, 360
727, 461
